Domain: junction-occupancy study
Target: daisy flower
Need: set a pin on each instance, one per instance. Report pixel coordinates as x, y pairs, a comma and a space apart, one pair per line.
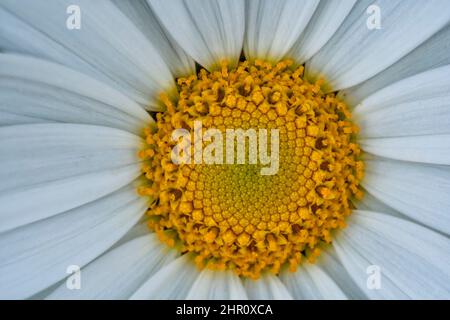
91, 205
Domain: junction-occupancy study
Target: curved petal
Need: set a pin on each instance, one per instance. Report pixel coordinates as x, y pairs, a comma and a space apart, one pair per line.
268, 287
173, 281
370, 203
434, 53
361, 268
432, 149
415, 106
41, 295
333, 268
35, 256
138, 11
7, 118
108, 46
208, 30
63, 95
273, 26
409, 120
327, 18
47, 169
356, 53
310, 282
217, 285
137, 231
418, 191
412, 260
118, 273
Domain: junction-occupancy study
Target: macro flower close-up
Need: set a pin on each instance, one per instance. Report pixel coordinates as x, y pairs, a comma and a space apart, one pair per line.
225, 149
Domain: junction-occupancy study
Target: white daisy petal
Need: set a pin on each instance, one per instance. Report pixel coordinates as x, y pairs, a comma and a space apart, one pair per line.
208, 30
17, 35
434, 53
433, 149
331, 265
327, 18
63, 95
217, 285
310, 282
7, 118
143, 17
268, 287
356, 53
139, 230
171, 282
41, 295
418, 191
74, 164
370, 203
412, 259
108, 46
359, 268
118, 273
415, 106
35, 256
273, 26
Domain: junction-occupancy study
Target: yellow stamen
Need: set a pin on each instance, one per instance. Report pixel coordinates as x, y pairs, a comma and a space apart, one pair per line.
230, 216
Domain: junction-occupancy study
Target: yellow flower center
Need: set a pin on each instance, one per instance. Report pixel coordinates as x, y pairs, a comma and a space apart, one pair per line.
230, 216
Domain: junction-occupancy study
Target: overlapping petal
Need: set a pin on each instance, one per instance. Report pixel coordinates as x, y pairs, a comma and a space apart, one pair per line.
47, 169
36, 256
108, 46
411, 261
356, 52
118, 273
210, 31
274, 26
63, 95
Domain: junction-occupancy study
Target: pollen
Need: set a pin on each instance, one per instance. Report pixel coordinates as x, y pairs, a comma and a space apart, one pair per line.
229, 215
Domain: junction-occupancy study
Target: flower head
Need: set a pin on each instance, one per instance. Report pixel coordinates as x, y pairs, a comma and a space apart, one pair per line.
314, 137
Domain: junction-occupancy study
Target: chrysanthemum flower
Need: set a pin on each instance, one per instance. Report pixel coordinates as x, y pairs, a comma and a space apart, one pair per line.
359, 207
